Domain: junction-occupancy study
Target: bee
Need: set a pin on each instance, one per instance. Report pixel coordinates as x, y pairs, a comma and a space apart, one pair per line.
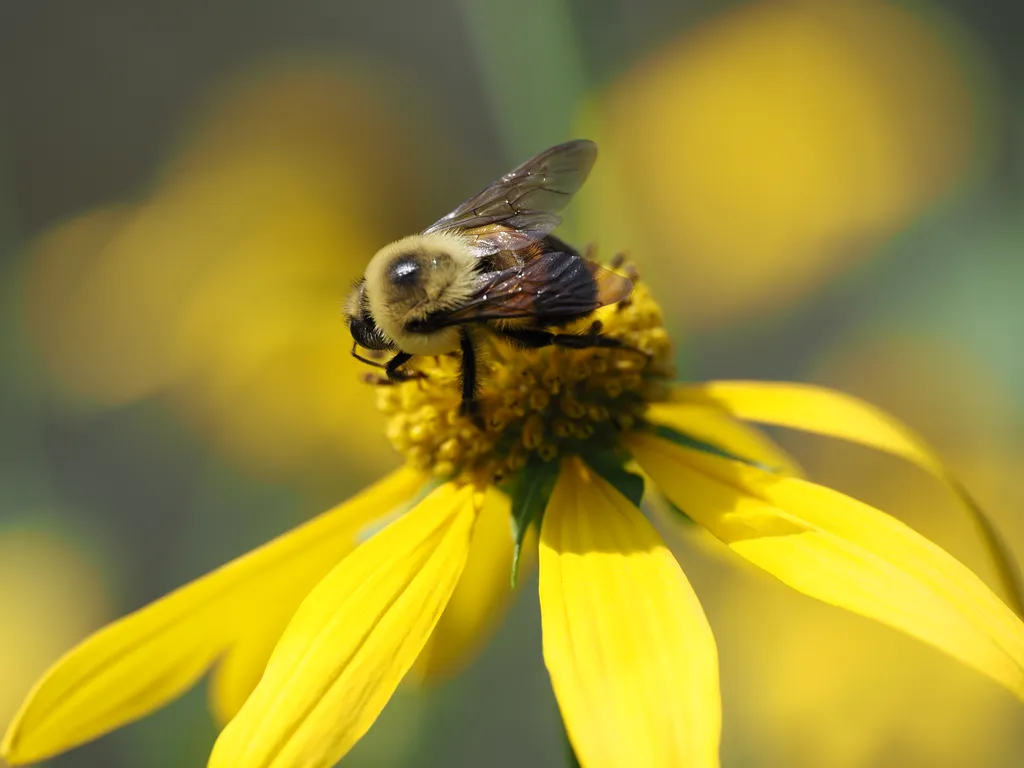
491, 263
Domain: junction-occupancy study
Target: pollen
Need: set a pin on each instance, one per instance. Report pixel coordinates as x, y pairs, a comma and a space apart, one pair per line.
548, 402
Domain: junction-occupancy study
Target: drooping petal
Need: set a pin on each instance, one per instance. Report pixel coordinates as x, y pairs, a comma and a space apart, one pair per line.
481, 598
256, 633
827, 412
352, 640
843, 552
813, 409
240, 668
712, 425
142, 661
631, 656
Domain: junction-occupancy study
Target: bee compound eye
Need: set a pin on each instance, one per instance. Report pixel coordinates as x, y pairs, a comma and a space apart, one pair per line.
356, 328
405, 271
365, 333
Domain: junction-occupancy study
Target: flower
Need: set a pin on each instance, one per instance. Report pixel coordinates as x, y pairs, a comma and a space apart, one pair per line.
910, 707
52, 592
208, 291
773, 145
311, 634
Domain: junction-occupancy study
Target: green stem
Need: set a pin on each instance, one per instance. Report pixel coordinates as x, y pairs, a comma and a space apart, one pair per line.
532, 68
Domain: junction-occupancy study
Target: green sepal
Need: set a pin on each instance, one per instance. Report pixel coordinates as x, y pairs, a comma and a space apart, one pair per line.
530, 493
660, 505
612, 467
687, 441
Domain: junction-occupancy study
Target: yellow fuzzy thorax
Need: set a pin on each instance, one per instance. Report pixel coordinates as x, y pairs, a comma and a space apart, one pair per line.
547, 402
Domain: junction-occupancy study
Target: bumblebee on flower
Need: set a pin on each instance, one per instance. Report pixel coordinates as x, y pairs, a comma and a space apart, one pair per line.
556, 412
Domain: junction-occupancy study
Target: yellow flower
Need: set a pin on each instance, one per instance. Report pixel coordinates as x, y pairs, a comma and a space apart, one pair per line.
911, 708
311, 634
209, 292
52, 592
771, 146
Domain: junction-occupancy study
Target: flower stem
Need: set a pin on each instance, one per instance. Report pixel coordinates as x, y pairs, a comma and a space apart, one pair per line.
532, 69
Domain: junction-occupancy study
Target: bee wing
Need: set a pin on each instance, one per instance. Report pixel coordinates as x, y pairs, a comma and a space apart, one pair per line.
552, 287
522, 206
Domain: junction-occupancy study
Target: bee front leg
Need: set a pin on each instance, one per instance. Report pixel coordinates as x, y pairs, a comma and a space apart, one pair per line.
393, 373
366, 360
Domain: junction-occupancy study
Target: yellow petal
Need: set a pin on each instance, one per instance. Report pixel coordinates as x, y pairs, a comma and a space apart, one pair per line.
479, 601
242, 665
843, 552
815, 409
826, 412
352, 640
711, 425
631, 656
140, 662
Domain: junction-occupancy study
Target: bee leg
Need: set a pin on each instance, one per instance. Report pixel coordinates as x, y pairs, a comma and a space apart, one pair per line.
394, 374
526, 338
470, 405
530, 338
366, 360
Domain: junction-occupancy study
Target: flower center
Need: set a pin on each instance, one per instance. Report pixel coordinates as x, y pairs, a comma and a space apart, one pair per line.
547, 402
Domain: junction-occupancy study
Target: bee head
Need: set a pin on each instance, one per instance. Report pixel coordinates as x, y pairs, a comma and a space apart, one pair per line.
419, 274
360, 322
414, 278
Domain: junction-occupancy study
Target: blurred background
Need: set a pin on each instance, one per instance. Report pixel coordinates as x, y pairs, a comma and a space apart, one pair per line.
825, 192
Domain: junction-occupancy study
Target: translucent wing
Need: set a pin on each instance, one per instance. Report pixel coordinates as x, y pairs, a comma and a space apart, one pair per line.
553, 287
522, 206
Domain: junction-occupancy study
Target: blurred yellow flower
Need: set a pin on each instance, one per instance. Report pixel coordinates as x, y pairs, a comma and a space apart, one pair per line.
51, 593
764, 150
222, 289
962, 406
826, 689
312, 633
